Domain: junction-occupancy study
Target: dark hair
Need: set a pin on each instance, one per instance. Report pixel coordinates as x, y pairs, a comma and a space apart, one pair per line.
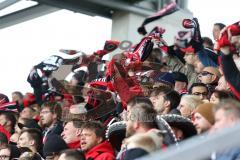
3, 98
169, 94
54, 107
73, 154
10, 117
81, 77
140, 100
19, 94
220, 25
3, 139
35, 135
208, 41
197, 85
221, 94
96, 126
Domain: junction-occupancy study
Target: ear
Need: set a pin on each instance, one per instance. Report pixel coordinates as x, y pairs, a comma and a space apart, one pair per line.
214, 78
78, 132
99, 140
232, 118
31, 142
54, 116
8, 123
166, 103
136, 125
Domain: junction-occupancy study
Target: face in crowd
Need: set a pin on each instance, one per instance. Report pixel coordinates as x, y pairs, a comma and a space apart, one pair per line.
89, 139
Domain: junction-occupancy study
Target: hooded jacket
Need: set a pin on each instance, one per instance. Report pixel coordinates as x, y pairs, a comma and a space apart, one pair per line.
103, 151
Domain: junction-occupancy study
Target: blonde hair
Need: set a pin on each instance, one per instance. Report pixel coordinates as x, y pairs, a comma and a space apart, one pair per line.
149, 141
192, 100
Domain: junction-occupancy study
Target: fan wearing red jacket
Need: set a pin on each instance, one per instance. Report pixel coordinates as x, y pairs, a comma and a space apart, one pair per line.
93, 142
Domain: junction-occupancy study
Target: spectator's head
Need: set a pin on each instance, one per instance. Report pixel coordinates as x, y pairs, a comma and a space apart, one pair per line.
50, 113
227, 114
53, 146
219, 95
217, 27
181, 81
31, 138
28, 112
3, 99
164, 79
164, 99
140, 116
203, 117
209, 75
8, 121
28, 123
29, 156
190, 56
71, 155
71, 133
222, 84
5, 153
18, 97
78, 111
199, 89
93, 133
207, 42
188, 104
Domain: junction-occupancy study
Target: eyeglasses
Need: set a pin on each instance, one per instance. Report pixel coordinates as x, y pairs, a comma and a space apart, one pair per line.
45, 112
200, 93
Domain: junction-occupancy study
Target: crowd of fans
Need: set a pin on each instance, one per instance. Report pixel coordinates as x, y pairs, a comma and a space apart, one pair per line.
146, 99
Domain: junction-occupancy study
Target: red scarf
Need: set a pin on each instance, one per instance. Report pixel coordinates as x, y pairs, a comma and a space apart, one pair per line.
74, 145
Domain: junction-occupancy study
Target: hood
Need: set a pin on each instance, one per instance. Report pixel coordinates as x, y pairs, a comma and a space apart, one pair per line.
101, 148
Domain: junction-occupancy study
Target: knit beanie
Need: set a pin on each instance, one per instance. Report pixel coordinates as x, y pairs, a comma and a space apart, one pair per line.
206, 110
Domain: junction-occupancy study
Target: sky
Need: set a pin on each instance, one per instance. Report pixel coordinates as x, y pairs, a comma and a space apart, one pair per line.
27, 44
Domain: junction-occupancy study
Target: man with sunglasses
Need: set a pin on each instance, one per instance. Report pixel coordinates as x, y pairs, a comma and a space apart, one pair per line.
210, 77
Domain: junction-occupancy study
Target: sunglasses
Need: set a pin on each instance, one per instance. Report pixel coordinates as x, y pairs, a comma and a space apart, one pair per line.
206, 73
200, 93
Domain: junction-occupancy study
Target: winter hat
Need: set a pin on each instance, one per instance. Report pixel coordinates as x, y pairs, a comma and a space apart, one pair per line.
182, 123
178, 76
206, 110
169, 137
54, 145
212, 70
165, 77
116, 133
